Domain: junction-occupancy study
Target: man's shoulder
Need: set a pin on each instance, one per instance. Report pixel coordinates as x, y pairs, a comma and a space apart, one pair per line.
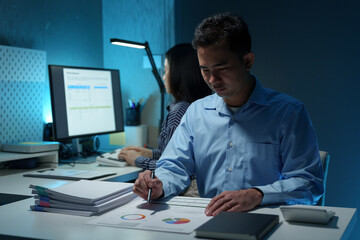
275, 97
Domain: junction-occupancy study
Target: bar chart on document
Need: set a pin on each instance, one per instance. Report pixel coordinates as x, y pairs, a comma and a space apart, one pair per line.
178, 215
88, 100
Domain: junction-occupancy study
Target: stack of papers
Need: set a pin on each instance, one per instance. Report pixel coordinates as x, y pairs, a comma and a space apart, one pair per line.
68, 174
82, 198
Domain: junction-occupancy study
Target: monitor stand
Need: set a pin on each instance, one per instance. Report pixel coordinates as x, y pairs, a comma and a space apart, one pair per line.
77, 150
76, 146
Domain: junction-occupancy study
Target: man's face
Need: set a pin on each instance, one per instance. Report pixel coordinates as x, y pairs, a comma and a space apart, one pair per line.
224, 72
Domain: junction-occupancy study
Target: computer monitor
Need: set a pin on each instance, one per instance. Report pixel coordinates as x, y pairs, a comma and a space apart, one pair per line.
85, 102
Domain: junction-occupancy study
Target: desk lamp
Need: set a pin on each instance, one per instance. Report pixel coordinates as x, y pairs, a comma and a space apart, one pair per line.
145, 45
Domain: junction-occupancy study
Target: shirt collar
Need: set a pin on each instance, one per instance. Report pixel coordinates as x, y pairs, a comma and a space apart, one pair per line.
258, 96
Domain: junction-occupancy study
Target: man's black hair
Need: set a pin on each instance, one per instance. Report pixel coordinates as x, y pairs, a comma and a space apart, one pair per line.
223, 28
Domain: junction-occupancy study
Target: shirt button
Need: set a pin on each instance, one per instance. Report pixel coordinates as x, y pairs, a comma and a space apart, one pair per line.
229, 169
230, 144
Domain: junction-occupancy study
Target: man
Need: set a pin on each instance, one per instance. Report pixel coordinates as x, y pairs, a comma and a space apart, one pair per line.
247, 145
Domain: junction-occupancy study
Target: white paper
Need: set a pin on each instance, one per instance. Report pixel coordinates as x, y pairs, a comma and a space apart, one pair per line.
182, 217
71, 174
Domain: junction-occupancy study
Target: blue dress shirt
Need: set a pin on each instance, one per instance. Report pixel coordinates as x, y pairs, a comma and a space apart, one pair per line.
269, 143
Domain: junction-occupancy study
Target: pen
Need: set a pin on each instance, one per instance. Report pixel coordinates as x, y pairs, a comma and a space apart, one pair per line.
130, 104
150, 189
133, 102
139, 103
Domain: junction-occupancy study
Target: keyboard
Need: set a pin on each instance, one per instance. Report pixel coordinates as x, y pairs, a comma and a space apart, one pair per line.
111, 159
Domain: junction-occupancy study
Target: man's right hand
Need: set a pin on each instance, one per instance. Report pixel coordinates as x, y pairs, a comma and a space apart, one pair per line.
144, 183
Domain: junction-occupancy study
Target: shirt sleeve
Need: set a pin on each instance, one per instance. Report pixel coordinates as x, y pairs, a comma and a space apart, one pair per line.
178, 160
301, 176
156, 153
145, 163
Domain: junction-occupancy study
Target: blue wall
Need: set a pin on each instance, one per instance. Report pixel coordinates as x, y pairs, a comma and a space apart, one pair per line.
69, 31
310, 50
138, 21
77, 33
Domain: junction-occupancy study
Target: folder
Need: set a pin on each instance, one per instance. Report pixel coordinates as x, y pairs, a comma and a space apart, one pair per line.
238, 225
84, 197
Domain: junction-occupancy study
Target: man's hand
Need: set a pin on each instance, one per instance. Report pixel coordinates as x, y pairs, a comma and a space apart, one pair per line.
234, 201
144, 182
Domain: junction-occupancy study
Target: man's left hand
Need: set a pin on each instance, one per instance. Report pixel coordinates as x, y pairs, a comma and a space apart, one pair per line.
234, 201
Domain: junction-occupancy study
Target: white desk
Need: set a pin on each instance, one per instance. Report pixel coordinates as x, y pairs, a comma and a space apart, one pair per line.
17, 184
17, 220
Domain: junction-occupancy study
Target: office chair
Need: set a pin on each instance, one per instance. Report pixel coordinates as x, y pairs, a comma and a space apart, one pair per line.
325, 158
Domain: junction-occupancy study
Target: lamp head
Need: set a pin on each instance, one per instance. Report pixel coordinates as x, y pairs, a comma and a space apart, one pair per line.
127, 43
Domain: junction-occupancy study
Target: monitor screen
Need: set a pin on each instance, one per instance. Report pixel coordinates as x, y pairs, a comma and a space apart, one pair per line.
85, 101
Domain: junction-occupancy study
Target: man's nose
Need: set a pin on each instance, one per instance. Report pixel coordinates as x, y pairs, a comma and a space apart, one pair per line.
213, 77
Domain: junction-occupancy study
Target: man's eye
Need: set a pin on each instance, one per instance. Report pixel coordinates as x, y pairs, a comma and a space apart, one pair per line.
222, 69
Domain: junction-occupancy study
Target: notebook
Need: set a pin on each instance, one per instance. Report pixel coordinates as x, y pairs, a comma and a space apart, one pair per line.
238, 225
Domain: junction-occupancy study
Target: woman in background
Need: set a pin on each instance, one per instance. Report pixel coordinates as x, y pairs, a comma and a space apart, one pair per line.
183, 81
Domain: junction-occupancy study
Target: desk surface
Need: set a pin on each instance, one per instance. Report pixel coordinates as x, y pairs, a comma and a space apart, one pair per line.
17, 220
13, 181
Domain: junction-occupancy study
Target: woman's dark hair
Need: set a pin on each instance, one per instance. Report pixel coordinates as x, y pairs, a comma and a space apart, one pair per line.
186, 82
224, 27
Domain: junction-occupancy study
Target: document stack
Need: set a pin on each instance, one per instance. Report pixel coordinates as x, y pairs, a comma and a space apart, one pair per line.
82, 198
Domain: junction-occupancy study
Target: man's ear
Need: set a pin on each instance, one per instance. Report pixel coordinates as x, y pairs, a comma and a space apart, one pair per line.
248, 60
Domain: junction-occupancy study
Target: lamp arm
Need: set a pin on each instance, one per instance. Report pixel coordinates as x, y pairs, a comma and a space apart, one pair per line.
158, 79
154, 69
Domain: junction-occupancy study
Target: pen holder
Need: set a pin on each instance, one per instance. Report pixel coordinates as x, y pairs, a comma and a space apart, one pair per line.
133, 116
